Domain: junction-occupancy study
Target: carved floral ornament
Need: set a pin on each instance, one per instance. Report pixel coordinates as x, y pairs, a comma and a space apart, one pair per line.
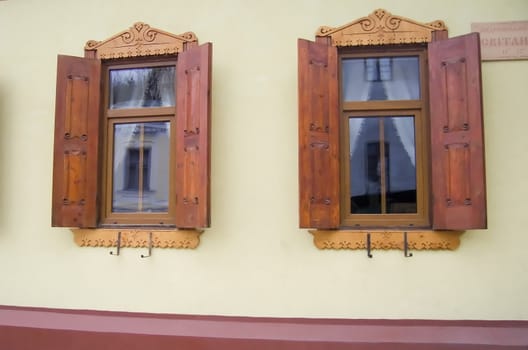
140, 40
381, 28
384, 240
137, 238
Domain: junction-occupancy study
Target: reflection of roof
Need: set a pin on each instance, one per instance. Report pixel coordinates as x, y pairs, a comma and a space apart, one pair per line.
154, 128
149, 128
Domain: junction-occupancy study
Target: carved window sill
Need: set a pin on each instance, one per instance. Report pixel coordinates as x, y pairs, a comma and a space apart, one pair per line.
386, 239
137, 238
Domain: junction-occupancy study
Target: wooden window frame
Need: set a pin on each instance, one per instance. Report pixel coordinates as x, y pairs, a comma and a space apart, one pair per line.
138, 115
79, 158
416, 108
457, 186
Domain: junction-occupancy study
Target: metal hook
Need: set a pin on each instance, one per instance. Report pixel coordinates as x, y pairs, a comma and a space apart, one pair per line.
368, 246
149, 247
406, 246
118, 244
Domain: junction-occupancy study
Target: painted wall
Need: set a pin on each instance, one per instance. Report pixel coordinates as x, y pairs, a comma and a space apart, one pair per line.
254, 261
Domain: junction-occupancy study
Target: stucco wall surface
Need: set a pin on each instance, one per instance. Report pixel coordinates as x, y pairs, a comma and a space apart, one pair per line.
254, 260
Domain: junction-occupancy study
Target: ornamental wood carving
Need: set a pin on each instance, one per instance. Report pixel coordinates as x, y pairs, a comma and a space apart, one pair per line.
416, 240
137, 238
380, 28
140, 40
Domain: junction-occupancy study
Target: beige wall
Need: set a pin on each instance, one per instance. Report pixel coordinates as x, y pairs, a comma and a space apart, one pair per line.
254, 260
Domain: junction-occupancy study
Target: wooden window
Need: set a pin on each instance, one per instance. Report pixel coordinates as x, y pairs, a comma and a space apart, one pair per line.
378, 152
132, 137
139, 112
384, 170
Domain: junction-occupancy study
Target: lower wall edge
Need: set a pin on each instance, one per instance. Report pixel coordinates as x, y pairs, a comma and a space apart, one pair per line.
42, 328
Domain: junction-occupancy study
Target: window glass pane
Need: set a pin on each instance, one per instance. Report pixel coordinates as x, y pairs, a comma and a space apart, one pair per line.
141, 167
401, 169
381, 78
142, 87
365, 183
382, 165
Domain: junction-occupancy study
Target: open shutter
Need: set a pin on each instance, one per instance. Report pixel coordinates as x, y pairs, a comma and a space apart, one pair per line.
318, 136
457, 135
193, 106
75, 163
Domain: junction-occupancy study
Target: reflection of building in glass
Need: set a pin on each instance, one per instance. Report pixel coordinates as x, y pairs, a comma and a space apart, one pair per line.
142, 87
390, 178
382, 148
141, 173
133, 168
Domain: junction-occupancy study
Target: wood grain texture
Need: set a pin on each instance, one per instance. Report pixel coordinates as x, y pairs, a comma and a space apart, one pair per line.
139, 40
193, 122
386, 239
137, 238
318, 135
381, 28
75, 176
457, 134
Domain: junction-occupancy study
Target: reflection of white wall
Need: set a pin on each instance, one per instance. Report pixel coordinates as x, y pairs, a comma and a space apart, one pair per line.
156, 139
354, 85
159, 167
123, 140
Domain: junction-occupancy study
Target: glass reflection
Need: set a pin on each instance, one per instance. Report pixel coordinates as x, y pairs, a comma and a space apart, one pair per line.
381, 78
140, 167
142, 87
382, 165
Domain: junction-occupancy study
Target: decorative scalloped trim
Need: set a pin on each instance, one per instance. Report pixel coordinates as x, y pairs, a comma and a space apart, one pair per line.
132, 238
140, 40
381, 28
416, 240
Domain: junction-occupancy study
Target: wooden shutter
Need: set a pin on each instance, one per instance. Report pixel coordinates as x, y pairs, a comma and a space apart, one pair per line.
193, 106
457, 135
318, 136
75, 158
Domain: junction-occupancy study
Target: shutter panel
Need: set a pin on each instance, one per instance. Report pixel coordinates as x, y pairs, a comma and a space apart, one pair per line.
193, 106
318, 136
75, 158
457, 135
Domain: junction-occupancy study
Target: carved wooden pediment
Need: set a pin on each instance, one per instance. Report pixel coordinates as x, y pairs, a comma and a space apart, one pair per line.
380, 28
140, 40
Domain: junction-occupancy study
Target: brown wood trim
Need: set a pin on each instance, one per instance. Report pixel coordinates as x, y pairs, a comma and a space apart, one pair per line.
386, 239
25, 328
137, 238
380, 28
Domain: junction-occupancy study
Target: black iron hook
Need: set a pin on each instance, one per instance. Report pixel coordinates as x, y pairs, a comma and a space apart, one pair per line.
368, 246
118, 244
149, 247
406, 246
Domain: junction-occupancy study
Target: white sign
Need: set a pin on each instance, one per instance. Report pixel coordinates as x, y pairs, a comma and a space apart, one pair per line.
503, 40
